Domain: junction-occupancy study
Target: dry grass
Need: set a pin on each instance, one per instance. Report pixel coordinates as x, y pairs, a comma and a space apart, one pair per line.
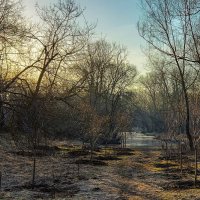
133, 175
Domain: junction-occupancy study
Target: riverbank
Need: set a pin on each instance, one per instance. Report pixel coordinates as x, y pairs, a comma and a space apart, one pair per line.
132, 174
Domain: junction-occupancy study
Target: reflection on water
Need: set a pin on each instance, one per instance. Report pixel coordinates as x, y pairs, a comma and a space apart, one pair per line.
141, 140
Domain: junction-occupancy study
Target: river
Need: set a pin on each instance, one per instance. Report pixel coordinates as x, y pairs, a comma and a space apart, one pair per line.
141, 140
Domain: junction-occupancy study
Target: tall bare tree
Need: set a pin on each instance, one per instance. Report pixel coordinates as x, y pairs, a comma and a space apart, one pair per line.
170, 27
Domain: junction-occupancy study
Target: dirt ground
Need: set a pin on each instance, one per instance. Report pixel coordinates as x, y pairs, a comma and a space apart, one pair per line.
132, 174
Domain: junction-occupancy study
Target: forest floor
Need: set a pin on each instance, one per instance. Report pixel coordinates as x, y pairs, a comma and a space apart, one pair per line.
120, 174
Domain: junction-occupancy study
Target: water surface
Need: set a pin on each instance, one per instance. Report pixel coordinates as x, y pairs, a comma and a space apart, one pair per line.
141, 140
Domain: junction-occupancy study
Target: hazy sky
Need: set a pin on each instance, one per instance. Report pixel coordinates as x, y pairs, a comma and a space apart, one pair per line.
116, 21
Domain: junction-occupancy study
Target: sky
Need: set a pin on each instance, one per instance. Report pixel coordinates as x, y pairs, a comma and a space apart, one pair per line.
116, 22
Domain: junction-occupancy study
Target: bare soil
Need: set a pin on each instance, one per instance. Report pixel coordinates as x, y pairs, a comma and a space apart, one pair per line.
114, 174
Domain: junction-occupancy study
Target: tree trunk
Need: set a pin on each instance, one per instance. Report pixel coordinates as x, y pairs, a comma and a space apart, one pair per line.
187, 122
2, 117
0, 179
125, 139
196, 166
91, 152
181, 159
34, 169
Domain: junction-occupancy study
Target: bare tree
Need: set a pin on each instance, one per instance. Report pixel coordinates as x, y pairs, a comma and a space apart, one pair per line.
168, 27
12, 38
107, 77
53, 47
